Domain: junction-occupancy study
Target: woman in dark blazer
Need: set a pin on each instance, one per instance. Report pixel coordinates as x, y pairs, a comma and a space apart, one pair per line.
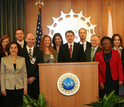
13, 76
110, 68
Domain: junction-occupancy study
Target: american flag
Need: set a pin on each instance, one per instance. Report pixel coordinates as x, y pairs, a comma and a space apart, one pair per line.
39, 29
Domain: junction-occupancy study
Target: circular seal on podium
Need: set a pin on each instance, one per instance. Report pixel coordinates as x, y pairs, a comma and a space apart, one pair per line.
68, 84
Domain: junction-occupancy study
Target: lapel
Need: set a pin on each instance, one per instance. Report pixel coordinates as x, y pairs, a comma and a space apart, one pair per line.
34, 52
89, 53
19, 64
26, 55
101, 56
73, 52
67, 49
112, 56
10, 62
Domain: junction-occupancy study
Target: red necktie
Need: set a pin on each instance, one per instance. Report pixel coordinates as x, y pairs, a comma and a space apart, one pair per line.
70, 50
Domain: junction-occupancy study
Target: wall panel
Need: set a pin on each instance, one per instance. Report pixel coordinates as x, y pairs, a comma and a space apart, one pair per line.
97, 9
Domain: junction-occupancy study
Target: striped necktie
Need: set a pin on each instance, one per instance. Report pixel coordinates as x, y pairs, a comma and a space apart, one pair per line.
30, 55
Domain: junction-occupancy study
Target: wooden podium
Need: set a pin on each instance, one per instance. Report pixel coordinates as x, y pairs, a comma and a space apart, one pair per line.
87, 72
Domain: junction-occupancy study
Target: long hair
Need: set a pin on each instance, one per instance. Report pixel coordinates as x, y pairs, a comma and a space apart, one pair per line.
42, 47
1, 40
113, 38
55, 35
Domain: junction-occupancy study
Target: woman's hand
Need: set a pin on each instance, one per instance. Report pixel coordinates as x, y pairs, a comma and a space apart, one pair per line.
120, 83
4, 93
25, 92
102, 86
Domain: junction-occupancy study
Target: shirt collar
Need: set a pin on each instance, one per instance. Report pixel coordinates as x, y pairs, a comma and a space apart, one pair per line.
32, 48
70, 44
120, 48
95, 48
20, 42
83, 43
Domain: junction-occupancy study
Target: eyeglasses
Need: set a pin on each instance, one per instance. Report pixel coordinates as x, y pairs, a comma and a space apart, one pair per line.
106, 43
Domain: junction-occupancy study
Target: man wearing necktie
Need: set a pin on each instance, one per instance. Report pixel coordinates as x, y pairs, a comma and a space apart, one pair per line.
19, 34
83, 35
90, 52
71, 51
33, 56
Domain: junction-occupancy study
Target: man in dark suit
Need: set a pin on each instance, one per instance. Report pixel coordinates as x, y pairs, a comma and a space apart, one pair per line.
90, 52
33, 56
71, 51
19, 34
83, 34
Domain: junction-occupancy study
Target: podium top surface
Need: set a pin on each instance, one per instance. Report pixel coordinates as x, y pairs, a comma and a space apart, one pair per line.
70, 63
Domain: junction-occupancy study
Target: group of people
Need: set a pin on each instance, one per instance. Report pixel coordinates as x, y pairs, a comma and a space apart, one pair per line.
19, 62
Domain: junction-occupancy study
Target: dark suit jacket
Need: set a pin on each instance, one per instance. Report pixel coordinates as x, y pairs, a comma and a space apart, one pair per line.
88, 53
32, 69
122, 58
88, 45
115, 66
77, 54
25, 43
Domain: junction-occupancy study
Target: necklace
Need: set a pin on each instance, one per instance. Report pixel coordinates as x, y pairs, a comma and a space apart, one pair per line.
109, 57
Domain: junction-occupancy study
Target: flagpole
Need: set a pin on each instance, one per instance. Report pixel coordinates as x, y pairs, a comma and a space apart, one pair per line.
39, 32
39, 3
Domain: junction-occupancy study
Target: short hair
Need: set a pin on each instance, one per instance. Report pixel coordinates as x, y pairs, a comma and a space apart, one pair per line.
14, 42
57, 34
105, 37
82, 28
19, 29
69, 31
94, 35
113, 38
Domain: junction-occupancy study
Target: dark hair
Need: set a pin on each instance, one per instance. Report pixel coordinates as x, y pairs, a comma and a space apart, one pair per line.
56, 34
9, 44
19, 29
1, 40
113, 38
106, 38
69, 31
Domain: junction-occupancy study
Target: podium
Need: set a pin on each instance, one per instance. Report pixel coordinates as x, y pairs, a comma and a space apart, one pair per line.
87, 73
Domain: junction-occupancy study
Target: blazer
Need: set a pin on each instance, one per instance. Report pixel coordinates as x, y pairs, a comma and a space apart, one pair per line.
77, 54
10, 78
88, 45
115, 66
88, 53
32, 69
25, 43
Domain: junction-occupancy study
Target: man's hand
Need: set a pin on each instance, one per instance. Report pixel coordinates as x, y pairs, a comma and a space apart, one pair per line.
30, 80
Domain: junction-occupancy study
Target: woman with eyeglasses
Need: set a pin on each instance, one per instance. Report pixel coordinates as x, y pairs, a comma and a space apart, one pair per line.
110, 68
117, 45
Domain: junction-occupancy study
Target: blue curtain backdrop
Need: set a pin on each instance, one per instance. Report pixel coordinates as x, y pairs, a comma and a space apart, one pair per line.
12, 17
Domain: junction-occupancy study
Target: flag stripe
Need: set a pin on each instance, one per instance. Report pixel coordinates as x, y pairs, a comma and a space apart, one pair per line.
39, 28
